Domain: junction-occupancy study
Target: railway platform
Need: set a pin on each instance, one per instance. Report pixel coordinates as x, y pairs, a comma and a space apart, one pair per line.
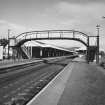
78, 84
11, 62
17, 62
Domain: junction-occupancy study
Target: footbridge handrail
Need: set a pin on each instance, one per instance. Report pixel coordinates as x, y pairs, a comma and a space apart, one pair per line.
53, 31
53, 34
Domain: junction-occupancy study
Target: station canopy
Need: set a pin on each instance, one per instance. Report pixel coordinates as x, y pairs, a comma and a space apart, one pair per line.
41, 44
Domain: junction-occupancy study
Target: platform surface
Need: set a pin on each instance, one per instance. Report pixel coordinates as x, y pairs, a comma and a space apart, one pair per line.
78, 84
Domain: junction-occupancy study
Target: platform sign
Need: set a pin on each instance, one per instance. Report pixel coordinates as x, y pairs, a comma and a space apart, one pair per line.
1, 52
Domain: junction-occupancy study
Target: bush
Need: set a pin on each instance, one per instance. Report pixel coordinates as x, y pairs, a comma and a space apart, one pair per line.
102, 62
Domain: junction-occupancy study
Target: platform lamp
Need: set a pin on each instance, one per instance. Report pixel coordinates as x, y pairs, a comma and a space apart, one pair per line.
103, 17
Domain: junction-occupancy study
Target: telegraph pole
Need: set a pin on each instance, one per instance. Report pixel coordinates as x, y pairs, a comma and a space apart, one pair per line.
8, 41
97, 53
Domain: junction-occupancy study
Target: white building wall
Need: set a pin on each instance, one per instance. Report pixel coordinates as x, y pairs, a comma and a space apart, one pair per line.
1, 52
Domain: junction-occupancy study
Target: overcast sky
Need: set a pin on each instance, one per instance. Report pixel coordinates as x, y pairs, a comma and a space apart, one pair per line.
26, 15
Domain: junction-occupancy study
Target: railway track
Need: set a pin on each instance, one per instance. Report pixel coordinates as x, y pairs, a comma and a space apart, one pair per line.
20, 85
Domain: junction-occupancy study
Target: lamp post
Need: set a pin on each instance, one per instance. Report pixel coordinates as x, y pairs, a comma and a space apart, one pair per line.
97, 53
103, 17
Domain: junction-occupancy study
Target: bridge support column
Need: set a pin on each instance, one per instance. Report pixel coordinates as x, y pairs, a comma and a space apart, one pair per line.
19, 55
14, 53
92, 52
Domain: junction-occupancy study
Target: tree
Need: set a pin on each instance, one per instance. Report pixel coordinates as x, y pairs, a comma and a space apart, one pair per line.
3, 42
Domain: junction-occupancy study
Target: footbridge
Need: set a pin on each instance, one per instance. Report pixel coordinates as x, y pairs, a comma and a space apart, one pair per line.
61, 35
52, 35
